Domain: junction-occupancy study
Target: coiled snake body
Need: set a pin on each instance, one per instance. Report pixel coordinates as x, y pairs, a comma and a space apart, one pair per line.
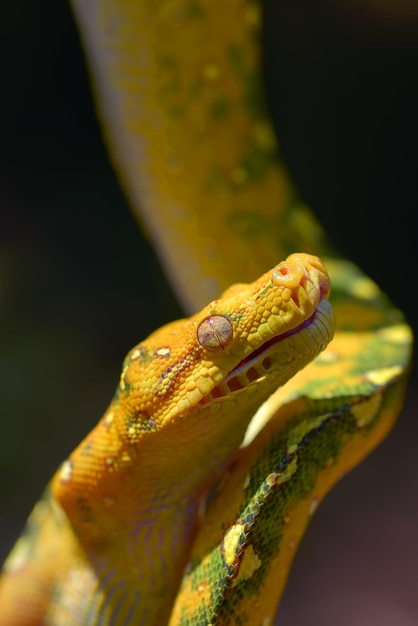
159, 516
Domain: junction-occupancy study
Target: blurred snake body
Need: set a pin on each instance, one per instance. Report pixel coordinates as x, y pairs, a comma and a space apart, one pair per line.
180, 507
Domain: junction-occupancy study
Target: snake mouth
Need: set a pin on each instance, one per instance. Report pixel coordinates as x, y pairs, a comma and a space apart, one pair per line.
255, 366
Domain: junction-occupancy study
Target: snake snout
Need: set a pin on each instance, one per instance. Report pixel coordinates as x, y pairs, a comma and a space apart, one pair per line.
300, 269
322, 275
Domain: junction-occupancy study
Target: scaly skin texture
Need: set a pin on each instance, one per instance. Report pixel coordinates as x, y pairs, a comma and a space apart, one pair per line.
320, 427
178, 86
239, 565
178, 91
109, 541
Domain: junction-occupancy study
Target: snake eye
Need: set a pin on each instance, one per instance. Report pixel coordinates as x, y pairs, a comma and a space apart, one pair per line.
215, 332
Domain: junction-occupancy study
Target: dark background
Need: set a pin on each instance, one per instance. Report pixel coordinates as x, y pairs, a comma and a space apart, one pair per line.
79, 285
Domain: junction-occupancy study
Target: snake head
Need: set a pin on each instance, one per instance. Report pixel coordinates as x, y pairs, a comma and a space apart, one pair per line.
238, 349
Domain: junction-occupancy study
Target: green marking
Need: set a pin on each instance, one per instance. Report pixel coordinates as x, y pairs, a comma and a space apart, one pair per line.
216, 179
138, 422
126, 388
236, 317
256, 164
278, 482
140, 353
176, 112
251, 81
168, 62
194, 10
170, 87
220, 107
235, 56
248, 224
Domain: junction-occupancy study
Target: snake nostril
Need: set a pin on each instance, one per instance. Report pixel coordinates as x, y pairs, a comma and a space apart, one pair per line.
288, 275
283, 276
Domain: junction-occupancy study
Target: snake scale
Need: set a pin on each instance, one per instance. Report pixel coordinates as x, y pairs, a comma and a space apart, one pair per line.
160, 516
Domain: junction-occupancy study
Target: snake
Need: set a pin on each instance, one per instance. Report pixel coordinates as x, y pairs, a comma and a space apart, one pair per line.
186, 503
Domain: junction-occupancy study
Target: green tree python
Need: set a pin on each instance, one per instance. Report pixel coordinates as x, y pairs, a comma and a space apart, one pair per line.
172, 511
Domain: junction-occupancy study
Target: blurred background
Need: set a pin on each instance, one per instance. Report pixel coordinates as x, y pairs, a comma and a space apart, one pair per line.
80, 285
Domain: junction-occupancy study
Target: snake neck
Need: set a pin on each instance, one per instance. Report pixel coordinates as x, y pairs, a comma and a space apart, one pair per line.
132, 513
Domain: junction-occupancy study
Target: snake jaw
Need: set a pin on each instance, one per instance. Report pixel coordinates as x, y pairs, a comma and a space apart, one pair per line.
248, 342
298, 287
315, 333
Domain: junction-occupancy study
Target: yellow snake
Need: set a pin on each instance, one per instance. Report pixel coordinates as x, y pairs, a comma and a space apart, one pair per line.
178, 89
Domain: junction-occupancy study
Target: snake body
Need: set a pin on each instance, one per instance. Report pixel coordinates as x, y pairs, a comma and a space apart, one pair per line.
124, 506
159, 517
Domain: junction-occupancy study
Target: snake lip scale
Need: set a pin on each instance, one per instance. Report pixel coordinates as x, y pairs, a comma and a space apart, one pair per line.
253, 368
